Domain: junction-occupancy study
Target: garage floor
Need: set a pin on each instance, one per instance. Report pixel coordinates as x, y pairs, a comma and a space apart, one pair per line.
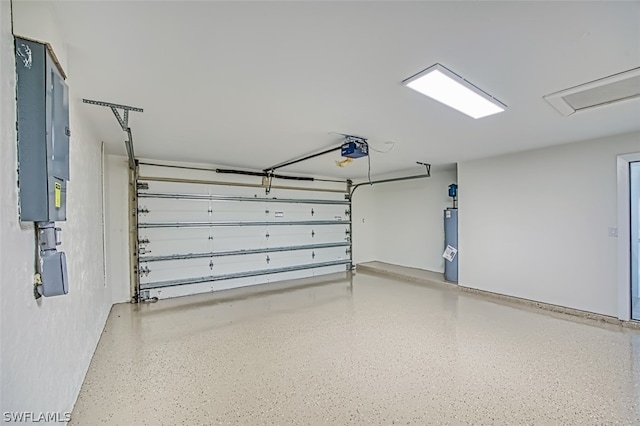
371, 350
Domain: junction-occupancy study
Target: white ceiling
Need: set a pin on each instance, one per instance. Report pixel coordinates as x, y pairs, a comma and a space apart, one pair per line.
254, 84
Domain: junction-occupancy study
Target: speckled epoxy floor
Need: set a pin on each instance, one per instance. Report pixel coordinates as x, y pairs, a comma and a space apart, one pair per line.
373, 350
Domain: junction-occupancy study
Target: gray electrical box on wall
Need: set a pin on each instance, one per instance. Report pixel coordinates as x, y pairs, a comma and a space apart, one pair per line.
43, 134
43, 155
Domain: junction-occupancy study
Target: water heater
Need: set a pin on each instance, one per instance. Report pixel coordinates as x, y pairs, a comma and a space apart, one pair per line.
451, 244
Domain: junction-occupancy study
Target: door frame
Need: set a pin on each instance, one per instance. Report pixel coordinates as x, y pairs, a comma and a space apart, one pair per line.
624, 230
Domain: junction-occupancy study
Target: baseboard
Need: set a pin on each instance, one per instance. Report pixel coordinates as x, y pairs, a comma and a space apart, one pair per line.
436, 279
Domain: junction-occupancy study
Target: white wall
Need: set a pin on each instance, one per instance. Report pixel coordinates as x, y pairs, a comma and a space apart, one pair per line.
404, 220
535, 224
46, 345
117, 226
409, 221
363, 217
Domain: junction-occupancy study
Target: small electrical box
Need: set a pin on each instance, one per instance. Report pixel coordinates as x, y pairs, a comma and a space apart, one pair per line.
354, 149
43, 133
54, 273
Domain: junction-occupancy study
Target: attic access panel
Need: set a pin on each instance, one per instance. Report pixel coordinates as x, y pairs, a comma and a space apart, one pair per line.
616, 88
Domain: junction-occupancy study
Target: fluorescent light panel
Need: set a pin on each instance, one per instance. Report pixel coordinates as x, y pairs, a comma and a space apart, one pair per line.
443, 85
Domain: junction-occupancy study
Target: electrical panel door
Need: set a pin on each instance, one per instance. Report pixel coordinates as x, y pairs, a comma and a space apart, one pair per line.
43, 134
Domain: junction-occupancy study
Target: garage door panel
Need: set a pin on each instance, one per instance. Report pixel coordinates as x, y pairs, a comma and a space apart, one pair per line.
330, 234
291, 275
238, 238
305, 212
205, 287
287, 213
290, 258
154, 210
329, 270
155, 187
173, 270
306, 194
330, 254
280, 236
167, 210
185, 188
198, 237
167, 241
233, 211
240, 282
306, 234
331, 212
239, 264
182, 290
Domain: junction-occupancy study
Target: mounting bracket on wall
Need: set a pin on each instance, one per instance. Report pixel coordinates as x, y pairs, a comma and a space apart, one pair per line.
123, 121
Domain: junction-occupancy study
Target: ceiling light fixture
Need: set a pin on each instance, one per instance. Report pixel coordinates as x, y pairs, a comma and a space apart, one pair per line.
447, 87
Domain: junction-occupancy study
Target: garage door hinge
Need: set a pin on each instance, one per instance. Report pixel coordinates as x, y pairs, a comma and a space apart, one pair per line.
266, 212
347, 232
313, 233
143, 210
142, 185
268, 259
211, 237
144, 240
145, 271
211, 265
313, 255
312, 212
266, 235
347, 251
347, 212
210, 211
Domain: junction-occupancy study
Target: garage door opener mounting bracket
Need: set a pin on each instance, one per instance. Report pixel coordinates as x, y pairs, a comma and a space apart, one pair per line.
123, 120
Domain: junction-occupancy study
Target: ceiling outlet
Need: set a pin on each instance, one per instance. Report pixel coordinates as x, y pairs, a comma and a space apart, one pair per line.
605, 91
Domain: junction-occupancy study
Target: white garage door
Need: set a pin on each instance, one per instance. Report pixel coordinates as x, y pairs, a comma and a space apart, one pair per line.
202, 237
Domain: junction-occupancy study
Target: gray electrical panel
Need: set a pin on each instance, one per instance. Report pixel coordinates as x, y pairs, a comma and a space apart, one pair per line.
43, 134
43, 157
